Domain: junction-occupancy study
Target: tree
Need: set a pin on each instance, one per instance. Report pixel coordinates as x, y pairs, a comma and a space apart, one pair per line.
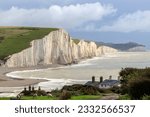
139, 87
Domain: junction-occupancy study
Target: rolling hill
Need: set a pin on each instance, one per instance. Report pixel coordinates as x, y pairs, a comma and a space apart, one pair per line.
15, 39
130, 46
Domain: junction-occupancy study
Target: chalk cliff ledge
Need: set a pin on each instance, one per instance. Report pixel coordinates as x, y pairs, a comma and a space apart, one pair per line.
56, 48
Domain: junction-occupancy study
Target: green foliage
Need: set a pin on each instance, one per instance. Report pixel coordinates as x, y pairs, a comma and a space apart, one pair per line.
139, 87
56, 93
81, 97
65, 95
89, 90
131, 74
116, 89
124, 97
146, 97
37, 98
41, 93
4, 98
18, 38
78, 89
31, 92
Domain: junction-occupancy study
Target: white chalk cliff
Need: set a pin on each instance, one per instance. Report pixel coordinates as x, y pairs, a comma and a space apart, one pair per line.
57, 47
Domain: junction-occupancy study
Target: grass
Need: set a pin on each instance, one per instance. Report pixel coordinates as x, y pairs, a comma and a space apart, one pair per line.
81, 97
31, 98
124, 97
4, 98
38, 98
15, 39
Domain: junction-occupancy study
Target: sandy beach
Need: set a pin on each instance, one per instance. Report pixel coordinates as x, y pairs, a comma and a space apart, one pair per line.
10, 82
10, 87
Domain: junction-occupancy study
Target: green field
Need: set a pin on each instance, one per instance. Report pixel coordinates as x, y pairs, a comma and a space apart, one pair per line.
81, 97
15, 39
38, 98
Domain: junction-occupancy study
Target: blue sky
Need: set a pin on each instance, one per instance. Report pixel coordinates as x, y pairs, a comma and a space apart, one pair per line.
101, 20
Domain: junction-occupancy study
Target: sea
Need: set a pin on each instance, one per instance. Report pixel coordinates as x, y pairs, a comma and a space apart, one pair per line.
106, 65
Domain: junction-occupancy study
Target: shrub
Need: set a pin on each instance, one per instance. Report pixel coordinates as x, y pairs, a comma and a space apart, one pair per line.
130, 75
56, 93
28, 93
41, 93
78, 89
65, 95
139, 87
89, 90
146, 97
116, 89
1, 39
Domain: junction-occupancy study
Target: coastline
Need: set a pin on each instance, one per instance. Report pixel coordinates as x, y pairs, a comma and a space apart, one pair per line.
20, 82
6, 81
10, 87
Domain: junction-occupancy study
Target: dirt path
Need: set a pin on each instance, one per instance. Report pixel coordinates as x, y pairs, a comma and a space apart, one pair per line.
110, 96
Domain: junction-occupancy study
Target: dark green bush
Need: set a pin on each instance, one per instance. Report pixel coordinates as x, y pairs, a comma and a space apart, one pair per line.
139, 87
116, 89
65, 95
56, 93
41, 93
132, 74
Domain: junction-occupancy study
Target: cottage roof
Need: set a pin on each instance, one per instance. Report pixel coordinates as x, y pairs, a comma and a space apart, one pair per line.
92, 83
109, 82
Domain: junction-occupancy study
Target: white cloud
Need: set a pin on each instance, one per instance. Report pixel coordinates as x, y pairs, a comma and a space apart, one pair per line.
137, 21
70, 16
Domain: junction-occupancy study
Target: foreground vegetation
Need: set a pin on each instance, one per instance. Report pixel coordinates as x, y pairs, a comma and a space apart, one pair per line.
15, 39
74, 92
135, 83
81, 97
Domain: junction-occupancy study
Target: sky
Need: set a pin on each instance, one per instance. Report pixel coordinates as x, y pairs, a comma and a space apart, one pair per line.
117, 21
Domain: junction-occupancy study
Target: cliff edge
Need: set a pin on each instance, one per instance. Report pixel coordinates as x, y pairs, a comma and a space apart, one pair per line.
56, 48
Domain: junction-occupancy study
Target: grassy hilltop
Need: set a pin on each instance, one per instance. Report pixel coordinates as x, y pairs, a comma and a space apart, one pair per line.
15, 39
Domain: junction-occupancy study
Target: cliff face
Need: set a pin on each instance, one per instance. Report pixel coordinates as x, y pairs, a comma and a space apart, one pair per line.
56, 47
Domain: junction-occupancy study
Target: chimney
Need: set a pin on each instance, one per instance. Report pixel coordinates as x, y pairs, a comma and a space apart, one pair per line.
110, 77
101, 79
93, 79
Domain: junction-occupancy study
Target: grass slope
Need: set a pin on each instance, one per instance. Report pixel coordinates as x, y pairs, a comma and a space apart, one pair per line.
15, 39
81, 97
